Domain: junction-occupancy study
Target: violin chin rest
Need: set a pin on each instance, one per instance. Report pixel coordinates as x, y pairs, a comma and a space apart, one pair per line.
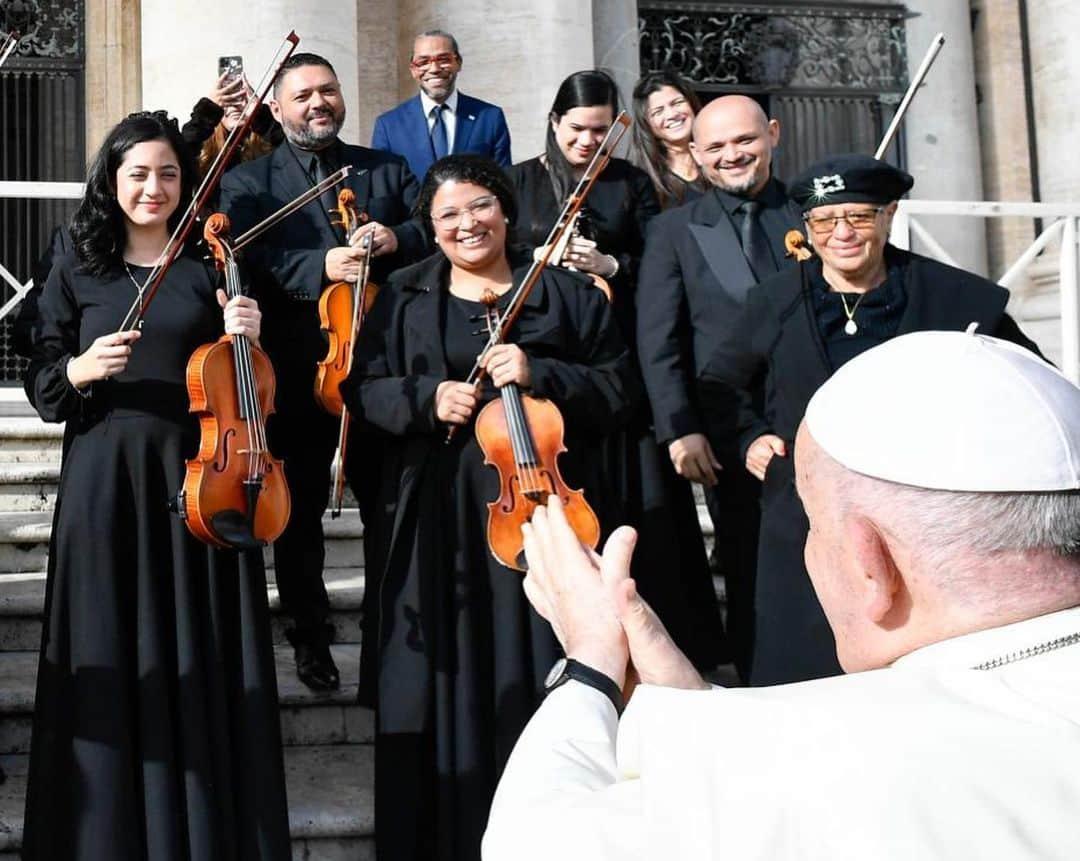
232, 527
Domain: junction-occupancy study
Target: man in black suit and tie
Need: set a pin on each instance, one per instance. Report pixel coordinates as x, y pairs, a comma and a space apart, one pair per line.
700, 260
290, 265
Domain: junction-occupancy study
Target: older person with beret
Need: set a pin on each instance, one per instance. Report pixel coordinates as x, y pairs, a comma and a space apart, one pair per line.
854, 292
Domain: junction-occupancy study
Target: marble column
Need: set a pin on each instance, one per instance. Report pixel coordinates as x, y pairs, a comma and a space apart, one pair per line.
616, 42
180, 50
942, 128
113, 67
1003, 127
515, 53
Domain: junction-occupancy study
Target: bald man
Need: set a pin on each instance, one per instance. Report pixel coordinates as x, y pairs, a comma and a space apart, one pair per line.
700, 260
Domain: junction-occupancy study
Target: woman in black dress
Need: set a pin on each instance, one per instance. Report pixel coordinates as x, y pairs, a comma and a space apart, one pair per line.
156, 731
670, 565
664, 111
461, 657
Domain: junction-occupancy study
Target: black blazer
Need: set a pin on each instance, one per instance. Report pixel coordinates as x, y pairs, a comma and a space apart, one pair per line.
778, 342
692, 284
290, 257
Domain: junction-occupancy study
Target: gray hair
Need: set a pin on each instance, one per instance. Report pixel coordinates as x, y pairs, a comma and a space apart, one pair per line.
432, 34
959, 538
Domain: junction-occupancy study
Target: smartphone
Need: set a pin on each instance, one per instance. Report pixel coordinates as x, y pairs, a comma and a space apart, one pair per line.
232, 67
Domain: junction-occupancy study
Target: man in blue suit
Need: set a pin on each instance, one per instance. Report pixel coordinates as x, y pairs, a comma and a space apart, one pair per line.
440, 120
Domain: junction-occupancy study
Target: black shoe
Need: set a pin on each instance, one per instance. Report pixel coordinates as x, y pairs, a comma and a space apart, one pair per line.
314, 665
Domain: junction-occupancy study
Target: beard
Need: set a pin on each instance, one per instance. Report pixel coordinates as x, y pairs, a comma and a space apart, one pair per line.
302, 135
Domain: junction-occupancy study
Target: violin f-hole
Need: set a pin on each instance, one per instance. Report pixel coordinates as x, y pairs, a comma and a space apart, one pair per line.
223, 464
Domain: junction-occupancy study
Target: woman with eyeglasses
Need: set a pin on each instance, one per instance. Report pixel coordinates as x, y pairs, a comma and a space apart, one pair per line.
156, 730
664, 111
460, 656
799, 327
670, 564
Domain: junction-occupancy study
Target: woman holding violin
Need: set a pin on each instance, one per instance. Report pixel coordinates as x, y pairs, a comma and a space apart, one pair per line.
670, 564
156, 730
461, 657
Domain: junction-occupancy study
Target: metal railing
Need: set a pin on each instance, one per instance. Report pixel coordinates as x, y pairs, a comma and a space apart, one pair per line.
31, 191
1063, 222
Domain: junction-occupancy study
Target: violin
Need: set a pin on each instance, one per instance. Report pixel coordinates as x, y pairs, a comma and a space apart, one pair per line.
522, 437
342, 308
234, 494
580, 226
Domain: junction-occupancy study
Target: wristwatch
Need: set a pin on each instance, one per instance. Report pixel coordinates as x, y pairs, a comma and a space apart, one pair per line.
568, 668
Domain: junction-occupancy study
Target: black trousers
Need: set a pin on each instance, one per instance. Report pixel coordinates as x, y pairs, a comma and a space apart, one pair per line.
734, 508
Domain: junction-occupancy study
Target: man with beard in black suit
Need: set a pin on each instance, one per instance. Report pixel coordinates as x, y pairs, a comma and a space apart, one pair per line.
700, 260
290, 265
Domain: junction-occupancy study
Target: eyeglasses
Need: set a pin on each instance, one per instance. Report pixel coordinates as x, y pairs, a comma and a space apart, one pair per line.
861, 219
441, 60
479, 209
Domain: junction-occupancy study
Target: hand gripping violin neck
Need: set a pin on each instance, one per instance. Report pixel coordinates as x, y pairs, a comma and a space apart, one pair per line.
235, 494
342, 308
522, 437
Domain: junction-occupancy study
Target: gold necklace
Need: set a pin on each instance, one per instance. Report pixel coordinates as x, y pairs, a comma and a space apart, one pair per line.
851, 327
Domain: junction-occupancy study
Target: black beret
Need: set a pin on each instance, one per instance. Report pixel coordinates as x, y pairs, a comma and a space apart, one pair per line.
849, 178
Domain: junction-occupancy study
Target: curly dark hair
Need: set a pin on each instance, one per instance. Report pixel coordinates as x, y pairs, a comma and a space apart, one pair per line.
98, 227
651, 152
476, 169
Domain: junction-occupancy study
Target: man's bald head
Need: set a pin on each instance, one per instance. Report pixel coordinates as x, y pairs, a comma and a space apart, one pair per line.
733, 144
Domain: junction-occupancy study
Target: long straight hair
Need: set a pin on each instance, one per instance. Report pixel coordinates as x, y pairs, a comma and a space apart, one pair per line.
650, 152
586, 89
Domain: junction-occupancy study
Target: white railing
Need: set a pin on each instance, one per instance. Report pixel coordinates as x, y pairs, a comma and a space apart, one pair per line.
32, 191
1062, 220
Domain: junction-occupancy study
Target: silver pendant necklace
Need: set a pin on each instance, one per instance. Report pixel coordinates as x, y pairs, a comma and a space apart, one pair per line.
1029, 652
851, 327
140, 288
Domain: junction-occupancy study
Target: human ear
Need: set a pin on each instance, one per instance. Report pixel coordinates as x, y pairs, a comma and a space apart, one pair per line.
878, 581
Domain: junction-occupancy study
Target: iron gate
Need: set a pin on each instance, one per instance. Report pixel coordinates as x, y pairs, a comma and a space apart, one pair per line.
42, 135
831, 73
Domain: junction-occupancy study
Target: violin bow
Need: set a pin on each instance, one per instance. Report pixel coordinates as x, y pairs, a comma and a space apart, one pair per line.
564, 223
8, 43
924, 67
291, 207
133, 318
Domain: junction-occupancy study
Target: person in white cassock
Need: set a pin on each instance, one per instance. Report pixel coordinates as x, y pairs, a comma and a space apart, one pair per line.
941, 475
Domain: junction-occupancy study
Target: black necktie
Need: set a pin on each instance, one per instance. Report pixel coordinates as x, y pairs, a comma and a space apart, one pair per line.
755, 243
439, 141
319, 172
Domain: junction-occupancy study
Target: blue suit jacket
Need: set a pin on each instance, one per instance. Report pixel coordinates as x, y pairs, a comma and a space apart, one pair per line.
481, 128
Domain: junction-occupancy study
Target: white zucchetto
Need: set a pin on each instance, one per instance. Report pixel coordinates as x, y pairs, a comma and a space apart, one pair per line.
952, 411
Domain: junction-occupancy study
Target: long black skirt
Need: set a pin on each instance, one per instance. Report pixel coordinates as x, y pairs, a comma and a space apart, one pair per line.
156, 731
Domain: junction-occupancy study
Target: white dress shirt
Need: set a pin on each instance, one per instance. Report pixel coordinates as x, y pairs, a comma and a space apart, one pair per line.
449, 116
928, 759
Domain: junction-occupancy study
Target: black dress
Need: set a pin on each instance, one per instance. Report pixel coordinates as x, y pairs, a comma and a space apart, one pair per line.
461, 655
791, 339
156, 730
670, 564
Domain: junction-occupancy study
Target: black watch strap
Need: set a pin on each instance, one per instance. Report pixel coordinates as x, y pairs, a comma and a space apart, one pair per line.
567, 668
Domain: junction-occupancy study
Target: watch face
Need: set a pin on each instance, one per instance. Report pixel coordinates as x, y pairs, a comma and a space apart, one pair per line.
556, 671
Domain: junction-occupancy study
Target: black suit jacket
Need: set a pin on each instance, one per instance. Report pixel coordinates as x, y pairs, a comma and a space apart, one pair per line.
692, 283
289, 259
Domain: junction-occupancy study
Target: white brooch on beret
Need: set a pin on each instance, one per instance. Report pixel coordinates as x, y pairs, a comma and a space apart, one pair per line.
826, 185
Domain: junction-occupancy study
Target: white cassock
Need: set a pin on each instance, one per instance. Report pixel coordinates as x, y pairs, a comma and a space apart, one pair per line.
927, 759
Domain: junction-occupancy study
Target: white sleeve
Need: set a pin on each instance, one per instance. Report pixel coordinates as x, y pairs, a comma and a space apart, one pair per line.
560, 796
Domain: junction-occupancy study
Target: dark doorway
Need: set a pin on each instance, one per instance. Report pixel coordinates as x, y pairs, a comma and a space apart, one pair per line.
42, 108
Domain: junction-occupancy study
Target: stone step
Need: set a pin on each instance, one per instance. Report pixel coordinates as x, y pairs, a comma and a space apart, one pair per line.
22, 598
24, 540
13, 403
27, 439
330, 791
27, 485
308, 717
